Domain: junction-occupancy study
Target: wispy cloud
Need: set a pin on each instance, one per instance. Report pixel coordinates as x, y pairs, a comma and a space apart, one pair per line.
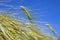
5, 0
5, 5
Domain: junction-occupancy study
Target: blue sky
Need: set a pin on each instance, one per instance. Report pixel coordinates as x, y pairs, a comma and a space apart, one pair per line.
46, 11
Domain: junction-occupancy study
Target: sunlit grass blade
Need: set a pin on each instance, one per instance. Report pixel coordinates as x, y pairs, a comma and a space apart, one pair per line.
26, 12
51, 28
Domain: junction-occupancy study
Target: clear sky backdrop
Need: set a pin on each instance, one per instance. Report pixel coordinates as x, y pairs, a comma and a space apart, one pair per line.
43, 10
